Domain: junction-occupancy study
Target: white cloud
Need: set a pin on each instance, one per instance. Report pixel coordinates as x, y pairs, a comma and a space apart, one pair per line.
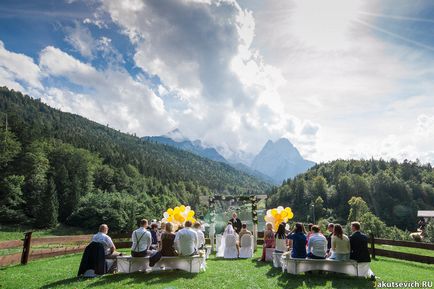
17, 69
113, 96
80, 38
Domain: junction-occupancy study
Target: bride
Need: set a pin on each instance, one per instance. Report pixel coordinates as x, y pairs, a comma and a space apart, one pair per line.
228, 231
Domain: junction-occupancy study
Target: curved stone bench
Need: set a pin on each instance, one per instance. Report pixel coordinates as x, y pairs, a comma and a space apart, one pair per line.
350, 267
192, 264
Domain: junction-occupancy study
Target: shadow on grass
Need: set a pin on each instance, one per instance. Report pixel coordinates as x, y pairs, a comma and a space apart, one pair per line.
339, 281
158, 277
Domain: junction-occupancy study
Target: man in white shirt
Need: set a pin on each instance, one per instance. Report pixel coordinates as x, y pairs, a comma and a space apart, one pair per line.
317, 244
141, 240
200, 235
186, 240
105, 240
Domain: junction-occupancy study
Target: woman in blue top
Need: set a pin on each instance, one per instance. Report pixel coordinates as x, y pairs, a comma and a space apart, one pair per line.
298, 238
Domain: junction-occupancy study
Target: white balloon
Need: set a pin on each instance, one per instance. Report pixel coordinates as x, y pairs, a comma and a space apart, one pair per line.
268, 212
187, 209
269, 218
166, 215
280, 209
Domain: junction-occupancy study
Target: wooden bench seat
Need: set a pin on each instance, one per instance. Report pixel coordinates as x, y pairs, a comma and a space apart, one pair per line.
192, 264
350, 267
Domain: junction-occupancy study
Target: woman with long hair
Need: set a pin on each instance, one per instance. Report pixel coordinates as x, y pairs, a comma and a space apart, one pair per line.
340, 244
298, 239
268, 239
168, 241
280, 239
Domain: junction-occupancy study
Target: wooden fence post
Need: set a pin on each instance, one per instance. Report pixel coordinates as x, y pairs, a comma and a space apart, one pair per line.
372, 245
26, 248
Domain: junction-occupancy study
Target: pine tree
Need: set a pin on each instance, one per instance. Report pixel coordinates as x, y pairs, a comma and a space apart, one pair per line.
47, 213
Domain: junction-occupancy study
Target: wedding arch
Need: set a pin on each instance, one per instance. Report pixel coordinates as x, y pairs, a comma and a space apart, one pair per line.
246, 199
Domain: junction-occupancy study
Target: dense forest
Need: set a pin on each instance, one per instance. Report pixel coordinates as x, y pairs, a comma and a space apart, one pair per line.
60, 167
384, 191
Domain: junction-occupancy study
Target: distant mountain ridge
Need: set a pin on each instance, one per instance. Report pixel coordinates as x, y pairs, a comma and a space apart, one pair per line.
275, 162
194, 147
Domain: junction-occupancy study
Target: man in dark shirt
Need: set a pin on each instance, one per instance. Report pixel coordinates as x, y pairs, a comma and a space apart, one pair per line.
236, 223
359, 244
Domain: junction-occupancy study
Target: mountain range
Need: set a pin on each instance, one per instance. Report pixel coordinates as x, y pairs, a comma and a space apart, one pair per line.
276, 162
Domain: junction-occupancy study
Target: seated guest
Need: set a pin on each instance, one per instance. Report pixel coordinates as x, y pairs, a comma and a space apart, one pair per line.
317, 244
106, 241
168, 241
186, 240
141, 240
330, 229
200, 235
340, 244
359, 244
280, 237
244, 230
268, 240
154, 235
109, 248
298, 239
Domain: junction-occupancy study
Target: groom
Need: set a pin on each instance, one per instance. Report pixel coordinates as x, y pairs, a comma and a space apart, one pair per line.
236, 223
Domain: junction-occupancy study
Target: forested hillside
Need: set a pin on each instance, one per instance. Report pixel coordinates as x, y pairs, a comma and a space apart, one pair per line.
60, 167
393, 191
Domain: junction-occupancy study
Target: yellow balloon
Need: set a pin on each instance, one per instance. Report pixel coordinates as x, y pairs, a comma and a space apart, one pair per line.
176, 210
291, 215
170, 219
284, 214
274, 212
193, 220
182, 219
182, 208
191, 213
288, 210
170, 211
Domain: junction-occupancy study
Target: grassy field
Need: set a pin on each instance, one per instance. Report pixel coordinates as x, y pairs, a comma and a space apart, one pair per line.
16, 233
60, 272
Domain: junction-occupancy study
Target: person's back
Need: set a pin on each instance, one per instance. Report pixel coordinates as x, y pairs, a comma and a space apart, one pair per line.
317, 244
200, 235
341, 246
244, 231
141, 240
281, 245
298, 245
359, 244
104, 239
186, 240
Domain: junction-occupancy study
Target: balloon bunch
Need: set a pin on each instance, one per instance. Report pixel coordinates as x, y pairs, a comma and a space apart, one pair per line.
278, 215
179, 215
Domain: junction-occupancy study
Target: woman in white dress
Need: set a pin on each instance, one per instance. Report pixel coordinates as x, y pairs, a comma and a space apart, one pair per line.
228, 231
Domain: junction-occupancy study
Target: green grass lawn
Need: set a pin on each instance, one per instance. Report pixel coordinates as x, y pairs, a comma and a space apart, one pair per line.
60, 272
16, 233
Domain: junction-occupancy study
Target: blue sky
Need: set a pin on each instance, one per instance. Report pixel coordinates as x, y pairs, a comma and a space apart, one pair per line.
339, 78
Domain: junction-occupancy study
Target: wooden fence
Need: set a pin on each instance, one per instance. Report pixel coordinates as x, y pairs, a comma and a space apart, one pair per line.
43, 247
401, 255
